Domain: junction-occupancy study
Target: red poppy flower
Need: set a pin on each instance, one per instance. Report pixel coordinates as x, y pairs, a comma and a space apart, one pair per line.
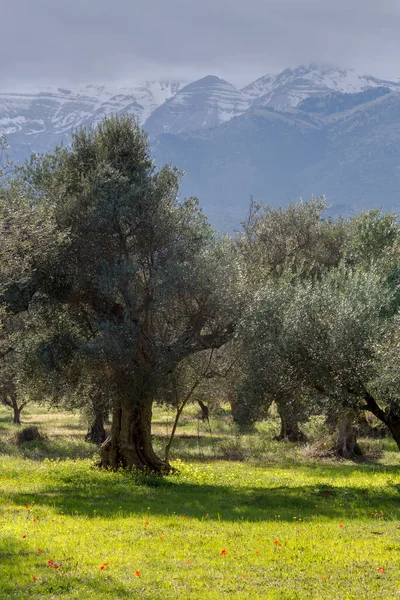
23, 537
53, 520
224, 552
35, 520
187, 561
326, 494
161, 538
27, 507
257, 552
56, 566
372, 514
35, 578
137, 573
105, 564
182, 516
49, 563
341, 525
324, 578
381, 570
102, 567
39, 550
364, 491
277, 543
146, 524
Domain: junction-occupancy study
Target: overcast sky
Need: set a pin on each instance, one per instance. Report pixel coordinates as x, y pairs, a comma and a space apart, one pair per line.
64, 42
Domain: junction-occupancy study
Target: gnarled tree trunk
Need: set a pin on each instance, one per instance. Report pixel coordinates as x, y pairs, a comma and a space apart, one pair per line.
129, 445
346, 441
97, 433
390, 417
289, 425
393, 424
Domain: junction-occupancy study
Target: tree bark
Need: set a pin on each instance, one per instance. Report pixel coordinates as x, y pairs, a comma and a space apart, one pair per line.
129, 445
391, 420
346, 441
393, 424
289, 426
232, 399
204, 410
97, 433
13, 403
17, 415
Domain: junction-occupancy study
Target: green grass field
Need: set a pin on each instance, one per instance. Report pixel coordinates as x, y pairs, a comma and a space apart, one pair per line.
274, 524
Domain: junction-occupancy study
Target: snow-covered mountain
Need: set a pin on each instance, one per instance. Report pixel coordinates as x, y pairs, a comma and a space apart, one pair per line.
289, 88
347, 148
313, 129
75, 105
36, 121
205, 103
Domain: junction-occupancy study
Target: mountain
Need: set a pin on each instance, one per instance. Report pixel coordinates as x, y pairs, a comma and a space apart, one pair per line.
38, 121
310, 130
351, 156
292, 86
328, 104
261, 153
199, 105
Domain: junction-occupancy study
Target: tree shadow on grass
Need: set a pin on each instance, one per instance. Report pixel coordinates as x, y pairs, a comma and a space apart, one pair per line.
19, 565
55, 449
109, 498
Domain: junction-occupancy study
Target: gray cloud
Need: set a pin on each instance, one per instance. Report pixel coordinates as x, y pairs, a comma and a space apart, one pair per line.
80, 41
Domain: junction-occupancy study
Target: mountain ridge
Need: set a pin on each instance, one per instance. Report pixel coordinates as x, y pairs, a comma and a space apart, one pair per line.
310, 130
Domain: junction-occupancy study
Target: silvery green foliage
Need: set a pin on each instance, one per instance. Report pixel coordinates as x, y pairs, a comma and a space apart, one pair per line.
332, 327
142, 281
323, 296
323, 337
277, 249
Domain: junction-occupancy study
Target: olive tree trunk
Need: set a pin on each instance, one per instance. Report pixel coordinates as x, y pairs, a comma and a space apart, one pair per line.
129, 444
97, 433
289, 425
346, 442
17, 415
11, 400
204, 410
393, 423
390, 418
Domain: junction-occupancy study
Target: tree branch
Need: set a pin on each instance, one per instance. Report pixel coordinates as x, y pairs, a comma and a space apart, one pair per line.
184, 402
373, 407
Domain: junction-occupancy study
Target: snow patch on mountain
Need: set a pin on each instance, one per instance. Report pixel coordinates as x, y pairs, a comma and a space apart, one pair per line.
61, 110
289, 88
205, 103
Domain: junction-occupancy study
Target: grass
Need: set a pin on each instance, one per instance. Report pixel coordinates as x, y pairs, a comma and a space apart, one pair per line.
291, 527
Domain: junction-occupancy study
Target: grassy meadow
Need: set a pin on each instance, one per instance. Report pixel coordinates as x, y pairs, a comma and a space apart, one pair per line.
245, 517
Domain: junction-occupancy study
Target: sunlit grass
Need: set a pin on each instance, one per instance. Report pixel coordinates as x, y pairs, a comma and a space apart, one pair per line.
291, 527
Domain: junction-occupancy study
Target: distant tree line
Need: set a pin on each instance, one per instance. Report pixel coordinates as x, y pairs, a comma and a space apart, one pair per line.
115, 294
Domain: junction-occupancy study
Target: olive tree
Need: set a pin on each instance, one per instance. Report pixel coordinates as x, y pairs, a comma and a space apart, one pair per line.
141, 281
279, 245
27, 237
332, 333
